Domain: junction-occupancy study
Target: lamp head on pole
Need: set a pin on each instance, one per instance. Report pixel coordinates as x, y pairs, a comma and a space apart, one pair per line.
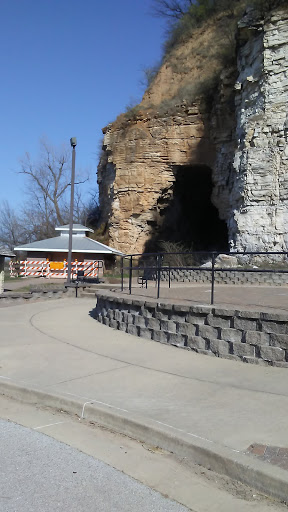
73, 142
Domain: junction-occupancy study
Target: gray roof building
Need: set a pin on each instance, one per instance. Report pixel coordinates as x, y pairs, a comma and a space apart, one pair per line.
80, 243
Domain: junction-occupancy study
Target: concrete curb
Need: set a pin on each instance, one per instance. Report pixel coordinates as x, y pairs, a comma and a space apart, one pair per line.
266, 478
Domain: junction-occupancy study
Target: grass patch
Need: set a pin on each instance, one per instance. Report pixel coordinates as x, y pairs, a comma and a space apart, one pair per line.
189, 94
7, 277
22, 289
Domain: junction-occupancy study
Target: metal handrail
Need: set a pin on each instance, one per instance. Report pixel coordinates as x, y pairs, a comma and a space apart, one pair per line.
158, 267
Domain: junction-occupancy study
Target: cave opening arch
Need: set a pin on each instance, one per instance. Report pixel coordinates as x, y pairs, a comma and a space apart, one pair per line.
189, 217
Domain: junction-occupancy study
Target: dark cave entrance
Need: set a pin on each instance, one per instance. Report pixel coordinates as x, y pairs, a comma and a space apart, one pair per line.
190, 217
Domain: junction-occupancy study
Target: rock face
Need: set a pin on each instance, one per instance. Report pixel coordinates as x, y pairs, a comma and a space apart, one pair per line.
214, 176
261, 159
136, 174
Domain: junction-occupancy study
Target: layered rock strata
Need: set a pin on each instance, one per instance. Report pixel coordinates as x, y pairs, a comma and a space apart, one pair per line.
260, 179
136, 175
243, 139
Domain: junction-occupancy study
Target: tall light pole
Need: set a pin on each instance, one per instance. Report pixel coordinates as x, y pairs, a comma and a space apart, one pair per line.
73, 142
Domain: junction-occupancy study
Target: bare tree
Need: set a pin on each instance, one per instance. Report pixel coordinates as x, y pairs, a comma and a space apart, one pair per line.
12, 228
47, 188
48, 179
172, 9
90, 211
40, 218
48, 199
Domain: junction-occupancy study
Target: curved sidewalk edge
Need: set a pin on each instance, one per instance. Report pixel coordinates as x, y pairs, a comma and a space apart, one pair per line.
264, 477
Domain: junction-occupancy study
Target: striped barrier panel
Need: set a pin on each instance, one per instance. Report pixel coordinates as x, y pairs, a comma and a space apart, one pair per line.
53, 269
14, 268
57, 269
92, 270
33, 268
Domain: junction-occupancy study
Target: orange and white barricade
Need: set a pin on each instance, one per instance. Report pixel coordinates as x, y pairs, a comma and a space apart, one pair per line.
33, 268
91, 268
60, 269
14, 268
56, 269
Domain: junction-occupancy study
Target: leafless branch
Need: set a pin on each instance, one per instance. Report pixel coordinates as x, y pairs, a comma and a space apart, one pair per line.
174, 9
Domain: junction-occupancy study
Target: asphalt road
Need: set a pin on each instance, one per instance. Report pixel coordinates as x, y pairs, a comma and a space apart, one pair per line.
40, 473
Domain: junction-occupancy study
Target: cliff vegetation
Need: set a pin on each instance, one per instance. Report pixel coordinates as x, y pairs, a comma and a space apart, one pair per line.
200, 45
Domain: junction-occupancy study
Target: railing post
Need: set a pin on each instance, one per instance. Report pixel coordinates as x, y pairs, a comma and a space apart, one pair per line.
130, 274
169, 276
122, 273
145, 273
213, 278
158, 274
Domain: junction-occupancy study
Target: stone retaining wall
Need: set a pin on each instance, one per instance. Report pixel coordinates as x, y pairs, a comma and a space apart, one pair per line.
249, 336
14, 298
226, 277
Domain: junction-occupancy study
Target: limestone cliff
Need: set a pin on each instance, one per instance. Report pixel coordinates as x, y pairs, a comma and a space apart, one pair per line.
210, 174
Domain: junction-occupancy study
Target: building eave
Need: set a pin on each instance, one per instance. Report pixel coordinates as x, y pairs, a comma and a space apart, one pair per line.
91, 251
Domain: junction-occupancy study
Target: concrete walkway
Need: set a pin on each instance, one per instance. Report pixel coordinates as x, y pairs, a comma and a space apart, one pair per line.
211, 409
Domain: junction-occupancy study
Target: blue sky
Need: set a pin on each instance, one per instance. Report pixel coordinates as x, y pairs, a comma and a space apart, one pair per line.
67, 69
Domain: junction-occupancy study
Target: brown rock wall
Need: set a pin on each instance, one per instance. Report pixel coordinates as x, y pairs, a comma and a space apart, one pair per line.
143, 154
241, 140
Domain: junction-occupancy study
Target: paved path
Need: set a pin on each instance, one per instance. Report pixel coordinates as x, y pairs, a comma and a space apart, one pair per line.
57, 347
39, 473
272, 298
